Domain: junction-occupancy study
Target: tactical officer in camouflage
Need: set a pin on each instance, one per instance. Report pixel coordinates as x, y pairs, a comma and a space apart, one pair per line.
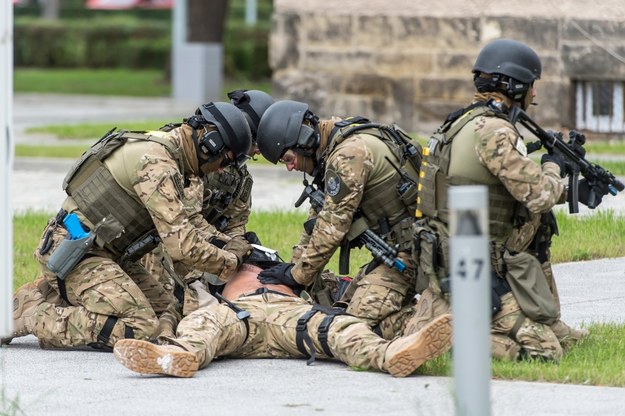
368, 174
126, 194
481, 145
226, 206
269, 321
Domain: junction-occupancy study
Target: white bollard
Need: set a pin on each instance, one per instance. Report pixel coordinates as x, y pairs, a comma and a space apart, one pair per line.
470, 298
6, 167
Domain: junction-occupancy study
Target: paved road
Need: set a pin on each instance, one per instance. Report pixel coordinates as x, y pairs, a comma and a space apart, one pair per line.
89, 382
37, 184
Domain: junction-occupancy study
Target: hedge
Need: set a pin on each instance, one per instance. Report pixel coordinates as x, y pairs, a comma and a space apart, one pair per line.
128, 42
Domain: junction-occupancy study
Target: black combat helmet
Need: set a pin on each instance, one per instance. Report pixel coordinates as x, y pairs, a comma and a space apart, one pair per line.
253, 103
233, 133
509, 57
282, 127
513, 65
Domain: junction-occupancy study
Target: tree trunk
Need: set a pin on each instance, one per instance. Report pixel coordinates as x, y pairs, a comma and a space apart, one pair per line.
206, 20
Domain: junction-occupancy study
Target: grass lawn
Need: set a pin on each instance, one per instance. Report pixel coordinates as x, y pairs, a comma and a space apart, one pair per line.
123, 82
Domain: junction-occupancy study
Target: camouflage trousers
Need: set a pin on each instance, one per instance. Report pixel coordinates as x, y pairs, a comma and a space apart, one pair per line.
384, 298
215, 331
512, 334
98, 290
510, 326
153, 262
160, 266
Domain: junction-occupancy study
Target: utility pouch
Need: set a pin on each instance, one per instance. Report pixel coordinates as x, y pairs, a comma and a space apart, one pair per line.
141, 247
495, 303
430, 251
309, 225
499, 287
529, 286
67, 255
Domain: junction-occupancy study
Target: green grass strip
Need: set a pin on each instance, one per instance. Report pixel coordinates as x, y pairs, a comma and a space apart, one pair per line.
597, 360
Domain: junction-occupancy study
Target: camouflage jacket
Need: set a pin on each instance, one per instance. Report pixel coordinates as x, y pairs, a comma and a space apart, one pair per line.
150, 174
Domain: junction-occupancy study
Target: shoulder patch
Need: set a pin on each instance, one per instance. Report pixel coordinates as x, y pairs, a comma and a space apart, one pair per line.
334, 186
520, 146
179, 184
333, 183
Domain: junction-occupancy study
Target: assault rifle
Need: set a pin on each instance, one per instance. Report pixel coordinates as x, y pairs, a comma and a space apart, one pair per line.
316, 197
380, 249
600, 180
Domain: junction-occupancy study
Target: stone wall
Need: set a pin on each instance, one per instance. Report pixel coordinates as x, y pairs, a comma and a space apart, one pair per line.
413, 69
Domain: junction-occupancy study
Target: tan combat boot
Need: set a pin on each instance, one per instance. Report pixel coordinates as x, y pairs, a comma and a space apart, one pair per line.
404, 355
566, 335
25, 303
147, 358
428, 307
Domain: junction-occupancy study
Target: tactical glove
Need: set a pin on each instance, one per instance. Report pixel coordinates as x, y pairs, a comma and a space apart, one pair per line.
588, 195
279, 275
558, 159
252, 238
240, 248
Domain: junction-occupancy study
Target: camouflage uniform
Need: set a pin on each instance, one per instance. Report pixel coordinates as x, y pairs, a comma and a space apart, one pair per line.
215, 331
488, 150
105, 292
282, 325
227, 204
380, 295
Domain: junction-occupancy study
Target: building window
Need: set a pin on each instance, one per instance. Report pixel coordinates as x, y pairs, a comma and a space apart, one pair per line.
599, 106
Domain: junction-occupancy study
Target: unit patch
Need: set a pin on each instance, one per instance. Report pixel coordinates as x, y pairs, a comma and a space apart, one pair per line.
333, 183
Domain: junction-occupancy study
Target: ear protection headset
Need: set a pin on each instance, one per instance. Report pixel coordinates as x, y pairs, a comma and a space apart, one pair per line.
211, 144
309, 138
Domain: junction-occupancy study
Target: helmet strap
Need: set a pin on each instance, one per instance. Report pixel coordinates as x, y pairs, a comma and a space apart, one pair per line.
241, 99
512, 88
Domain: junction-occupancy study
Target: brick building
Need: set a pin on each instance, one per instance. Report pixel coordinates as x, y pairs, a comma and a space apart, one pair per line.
409, 61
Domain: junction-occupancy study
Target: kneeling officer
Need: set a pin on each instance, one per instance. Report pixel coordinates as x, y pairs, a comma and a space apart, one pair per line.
126, 194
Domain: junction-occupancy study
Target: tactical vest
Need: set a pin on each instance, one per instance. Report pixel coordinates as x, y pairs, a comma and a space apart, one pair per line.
439, 171
387, 207
121, 221
221, 190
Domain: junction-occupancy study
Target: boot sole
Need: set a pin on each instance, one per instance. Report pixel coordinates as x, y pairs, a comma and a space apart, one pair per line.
146, 358
434, 342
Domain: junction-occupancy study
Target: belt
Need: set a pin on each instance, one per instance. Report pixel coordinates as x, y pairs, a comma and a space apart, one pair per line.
263, 290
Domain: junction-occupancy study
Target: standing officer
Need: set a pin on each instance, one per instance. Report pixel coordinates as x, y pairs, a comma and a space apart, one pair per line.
126, 194
368, 174
480, 145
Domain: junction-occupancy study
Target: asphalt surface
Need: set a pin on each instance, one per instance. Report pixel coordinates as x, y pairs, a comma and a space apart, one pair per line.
85, 381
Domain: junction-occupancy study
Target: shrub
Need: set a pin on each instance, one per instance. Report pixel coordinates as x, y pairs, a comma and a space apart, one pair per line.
129, 42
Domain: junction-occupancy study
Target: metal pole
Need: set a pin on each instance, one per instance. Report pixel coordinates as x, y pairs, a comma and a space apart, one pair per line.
251, 12
179, 37
6, 166
197, 65
470, 298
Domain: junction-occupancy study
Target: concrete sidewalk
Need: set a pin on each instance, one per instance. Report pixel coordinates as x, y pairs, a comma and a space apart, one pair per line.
90, 382
66, 383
